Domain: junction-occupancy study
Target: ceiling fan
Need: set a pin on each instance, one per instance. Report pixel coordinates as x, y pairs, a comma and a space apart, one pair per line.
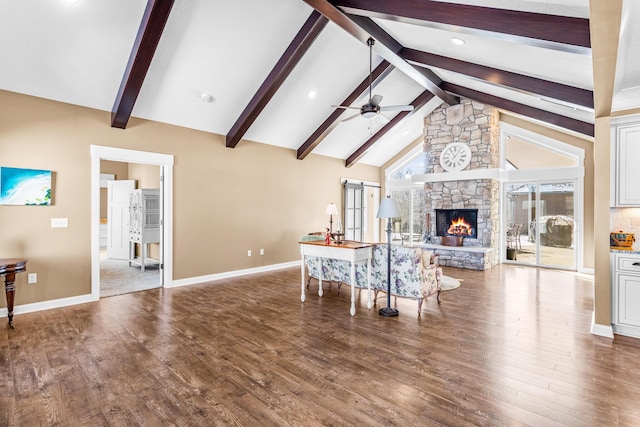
373, 109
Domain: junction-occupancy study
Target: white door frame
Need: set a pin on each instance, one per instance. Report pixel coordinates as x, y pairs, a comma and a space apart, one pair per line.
574, 174
165, 162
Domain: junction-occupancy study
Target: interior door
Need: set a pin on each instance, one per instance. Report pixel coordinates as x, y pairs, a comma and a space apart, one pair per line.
118, 218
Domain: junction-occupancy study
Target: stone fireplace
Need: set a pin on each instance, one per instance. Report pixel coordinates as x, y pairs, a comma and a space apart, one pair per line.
474, 124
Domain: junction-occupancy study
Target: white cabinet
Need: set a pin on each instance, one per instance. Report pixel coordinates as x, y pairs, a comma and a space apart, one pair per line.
625, 143
144, 223
625, 298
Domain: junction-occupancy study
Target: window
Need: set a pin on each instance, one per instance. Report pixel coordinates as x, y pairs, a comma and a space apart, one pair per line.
409, 228
354, 211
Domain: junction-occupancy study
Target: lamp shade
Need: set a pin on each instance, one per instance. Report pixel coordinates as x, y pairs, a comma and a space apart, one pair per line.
388, 208
331, 209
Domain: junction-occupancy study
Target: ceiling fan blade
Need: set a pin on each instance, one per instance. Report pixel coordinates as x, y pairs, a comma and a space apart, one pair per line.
375, 100
397, 108
384, 119
345, 107
351, 117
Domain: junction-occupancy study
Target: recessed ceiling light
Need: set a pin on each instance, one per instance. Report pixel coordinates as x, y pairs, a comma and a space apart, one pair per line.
406, 131
457, 41
207, 98
312, 94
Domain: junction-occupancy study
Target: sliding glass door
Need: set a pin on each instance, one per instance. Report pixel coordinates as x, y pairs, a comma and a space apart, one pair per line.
540, 223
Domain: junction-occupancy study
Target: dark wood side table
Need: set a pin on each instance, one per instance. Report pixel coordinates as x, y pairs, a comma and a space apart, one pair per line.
8, 268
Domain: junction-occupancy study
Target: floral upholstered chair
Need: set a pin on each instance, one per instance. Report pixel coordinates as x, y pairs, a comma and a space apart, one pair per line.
415, 272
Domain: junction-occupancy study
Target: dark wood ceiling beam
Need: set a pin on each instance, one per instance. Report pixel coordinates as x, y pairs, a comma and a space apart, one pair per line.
534, 85
287, 62
386, 46
427, 78
417, 103
153, 22
378, 74
551, 28
525, 110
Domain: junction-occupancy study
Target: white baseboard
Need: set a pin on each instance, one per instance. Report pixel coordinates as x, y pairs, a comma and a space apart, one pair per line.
629, 331
236, 273
82, 299
600, 330
47, 305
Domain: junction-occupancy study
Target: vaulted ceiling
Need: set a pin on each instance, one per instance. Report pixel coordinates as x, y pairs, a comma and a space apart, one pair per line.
244, 69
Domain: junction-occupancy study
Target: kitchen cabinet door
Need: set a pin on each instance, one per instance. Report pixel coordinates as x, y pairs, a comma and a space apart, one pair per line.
627, 164
628, 299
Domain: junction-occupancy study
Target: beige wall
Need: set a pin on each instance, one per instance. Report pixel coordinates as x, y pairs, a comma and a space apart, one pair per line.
226, 201
146, 176
121, 171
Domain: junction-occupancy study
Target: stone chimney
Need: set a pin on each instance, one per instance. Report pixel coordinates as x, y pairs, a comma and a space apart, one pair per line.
474, 124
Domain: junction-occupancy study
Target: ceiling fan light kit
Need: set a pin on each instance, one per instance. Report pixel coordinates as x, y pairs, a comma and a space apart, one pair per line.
372, 109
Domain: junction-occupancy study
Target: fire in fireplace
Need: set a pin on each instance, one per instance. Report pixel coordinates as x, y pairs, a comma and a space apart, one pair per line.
457, 222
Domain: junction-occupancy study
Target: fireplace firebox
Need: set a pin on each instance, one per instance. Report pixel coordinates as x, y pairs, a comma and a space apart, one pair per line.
457, 223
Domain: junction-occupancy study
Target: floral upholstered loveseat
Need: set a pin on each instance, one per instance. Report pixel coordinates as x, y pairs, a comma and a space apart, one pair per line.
415, 272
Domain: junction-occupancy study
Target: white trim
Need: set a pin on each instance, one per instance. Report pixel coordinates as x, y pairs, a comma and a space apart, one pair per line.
492, 173
622, 120
165, 162
600, 330
405, 183
409, 155
83, 299
629, 331
47, 305
236, 273
359, 181
542, 175
540, 140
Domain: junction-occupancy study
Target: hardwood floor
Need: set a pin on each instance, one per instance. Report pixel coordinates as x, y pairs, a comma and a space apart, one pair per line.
511, 346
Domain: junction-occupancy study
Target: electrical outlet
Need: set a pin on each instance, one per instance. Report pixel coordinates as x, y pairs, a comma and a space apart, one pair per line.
59, 222
32, 278
249, 252
261, 251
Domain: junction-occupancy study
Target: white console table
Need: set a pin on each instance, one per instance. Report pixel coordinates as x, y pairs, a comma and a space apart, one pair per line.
353, 252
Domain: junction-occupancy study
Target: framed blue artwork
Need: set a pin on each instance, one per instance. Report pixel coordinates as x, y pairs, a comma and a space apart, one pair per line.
24, 187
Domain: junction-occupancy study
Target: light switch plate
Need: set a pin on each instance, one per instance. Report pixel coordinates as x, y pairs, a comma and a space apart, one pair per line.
32, 278
59, 222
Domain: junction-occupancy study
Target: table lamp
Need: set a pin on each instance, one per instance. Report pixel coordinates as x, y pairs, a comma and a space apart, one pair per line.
388, 209
331, 211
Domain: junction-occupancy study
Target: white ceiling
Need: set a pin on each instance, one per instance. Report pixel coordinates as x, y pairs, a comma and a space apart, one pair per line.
77, 53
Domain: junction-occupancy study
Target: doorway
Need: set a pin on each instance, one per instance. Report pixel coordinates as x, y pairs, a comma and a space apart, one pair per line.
127, 263
165, 164
540, 223
541, 200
